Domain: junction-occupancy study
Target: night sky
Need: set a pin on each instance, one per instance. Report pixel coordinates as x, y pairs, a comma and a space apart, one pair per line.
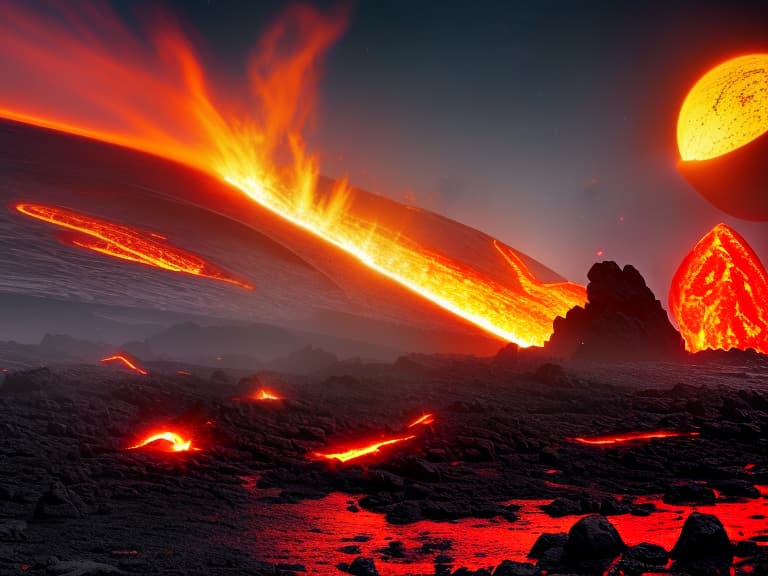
548, 124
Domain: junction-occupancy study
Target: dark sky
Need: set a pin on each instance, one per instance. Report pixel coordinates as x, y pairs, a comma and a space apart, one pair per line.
548, 124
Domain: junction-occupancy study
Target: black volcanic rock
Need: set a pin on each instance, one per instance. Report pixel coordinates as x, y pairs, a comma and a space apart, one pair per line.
363, 567
510, 568
593, 537
689, 494
27, 380
702, 537
622, 320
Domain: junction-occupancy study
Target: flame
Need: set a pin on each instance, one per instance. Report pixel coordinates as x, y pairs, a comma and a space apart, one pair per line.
364, 450
125, 243
719, 294
725, 109
265, 394
630, 437
424, 420
125, 361
87, 74
165, 441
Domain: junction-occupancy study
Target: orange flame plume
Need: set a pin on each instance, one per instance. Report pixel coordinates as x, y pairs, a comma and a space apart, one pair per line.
364, 450
630, 437
160, 101
424, 420
125, 243
719, 294
165, 441
265, 394
125, 361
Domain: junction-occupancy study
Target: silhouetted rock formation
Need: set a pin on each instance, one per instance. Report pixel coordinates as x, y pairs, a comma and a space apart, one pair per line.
622, 320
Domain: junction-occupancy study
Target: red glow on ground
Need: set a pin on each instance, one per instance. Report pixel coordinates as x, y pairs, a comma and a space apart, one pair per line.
265, 394
87, 73
424, 420
125, 361
631, 437
719, 294
125, 243
165, 441
352, 453
183, 372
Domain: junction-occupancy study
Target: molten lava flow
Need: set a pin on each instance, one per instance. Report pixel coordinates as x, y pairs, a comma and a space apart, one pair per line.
719, 294
165, 441
630, 437
726, 109
424, 420
125, 243
125, 361
265, 394
88, 74
359, 451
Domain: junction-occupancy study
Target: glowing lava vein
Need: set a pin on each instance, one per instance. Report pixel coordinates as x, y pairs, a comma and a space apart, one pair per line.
125, 243
165, 441
155, 97
125, 361
611, 439
364, 450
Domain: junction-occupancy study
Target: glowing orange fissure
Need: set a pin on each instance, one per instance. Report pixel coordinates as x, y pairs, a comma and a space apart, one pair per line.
719, 294
125, 361
265, 394
158, 100
424, 420
165, 441
125, 243
630, 437
364, 450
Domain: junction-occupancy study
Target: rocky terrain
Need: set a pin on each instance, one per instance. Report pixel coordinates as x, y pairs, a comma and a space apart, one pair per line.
74, 501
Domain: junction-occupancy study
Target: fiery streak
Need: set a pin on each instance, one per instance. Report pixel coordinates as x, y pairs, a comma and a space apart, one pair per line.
719, 294
125, 243
265, 394
160, 101
365, 450
125, 361
166, 441
630, 437
424, 420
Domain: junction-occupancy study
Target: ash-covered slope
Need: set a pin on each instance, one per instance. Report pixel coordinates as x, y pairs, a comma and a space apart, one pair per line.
301, 281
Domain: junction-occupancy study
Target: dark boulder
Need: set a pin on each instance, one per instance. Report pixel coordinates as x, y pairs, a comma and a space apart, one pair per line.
593, 537
702, 537
689, 494
27, 380
510, 568
622, 320
362, 566
547, 541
